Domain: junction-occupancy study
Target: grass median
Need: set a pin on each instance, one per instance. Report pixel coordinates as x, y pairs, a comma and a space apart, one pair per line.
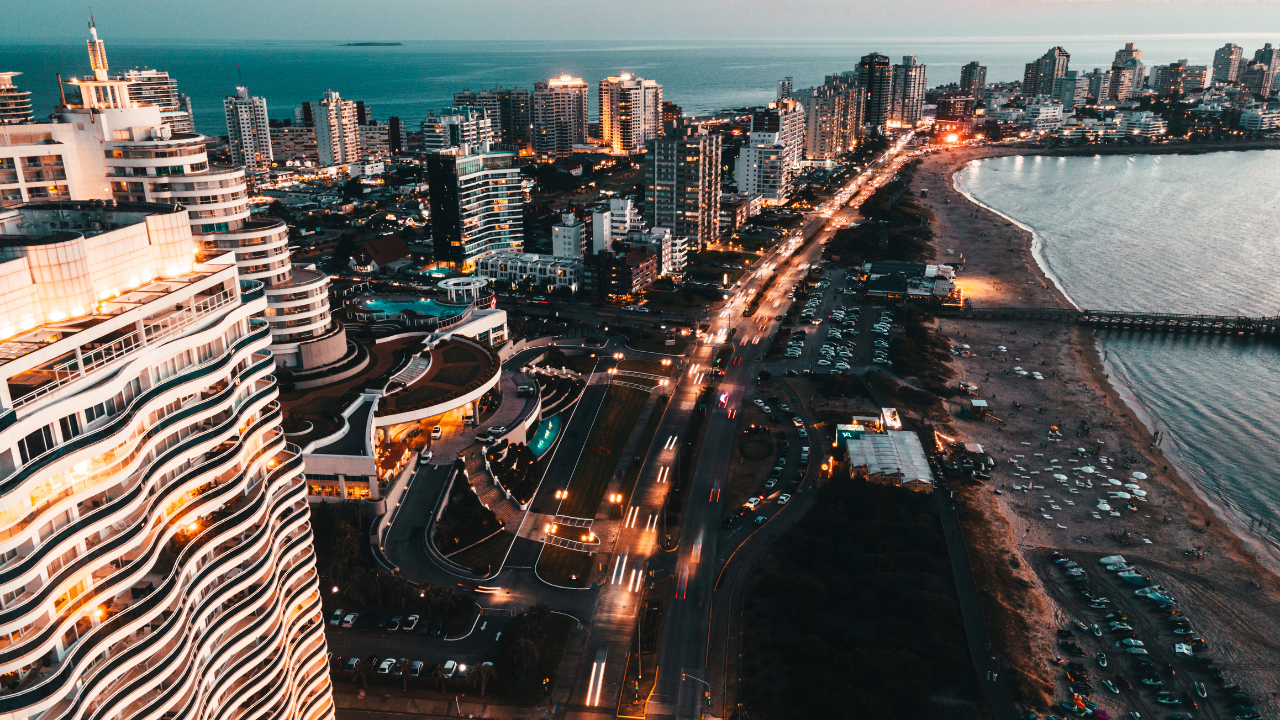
609, 434
564, 567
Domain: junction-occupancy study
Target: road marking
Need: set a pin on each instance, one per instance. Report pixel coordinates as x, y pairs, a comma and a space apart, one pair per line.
619, 571
499, 637
483, 624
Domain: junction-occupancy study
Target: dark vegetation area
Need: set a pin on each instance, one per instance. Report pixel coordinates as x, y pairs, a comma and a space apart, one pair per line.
465, 521
853, 615
516, 468
897, 226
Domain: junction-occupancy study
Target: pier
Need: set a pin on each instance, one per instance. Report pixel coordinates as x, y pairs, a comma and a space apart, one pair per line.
1126, 320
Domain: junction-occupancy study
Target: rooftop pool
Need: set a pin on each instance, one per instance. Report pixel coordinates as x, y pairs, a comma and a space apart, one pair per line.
420, 306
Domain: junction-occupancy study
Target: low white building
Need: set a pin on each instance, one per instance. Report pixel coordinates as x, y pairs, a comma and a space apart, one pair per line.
1044, 117
1260, 119
545, 271
1142, 123
569, 237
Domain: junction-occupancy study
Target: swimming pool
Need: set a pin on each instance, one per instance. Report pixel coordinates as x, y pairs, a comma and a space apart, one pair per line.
545, 436
422, 307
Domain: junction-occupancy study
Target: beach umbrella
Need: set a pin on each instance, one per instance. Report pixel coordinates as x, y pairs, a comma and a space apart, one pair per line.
1087, 469
1115, 482
1133, 486
1140, 493
1139, 476
1059, 476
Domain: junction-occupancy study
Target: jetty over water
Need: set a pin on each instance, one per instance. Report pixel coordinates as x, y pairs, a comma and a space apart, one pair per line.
1125, 320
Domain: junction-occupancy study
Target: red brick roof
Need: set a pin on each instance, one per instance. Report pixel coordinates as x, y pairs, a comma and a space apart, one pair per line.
384, 249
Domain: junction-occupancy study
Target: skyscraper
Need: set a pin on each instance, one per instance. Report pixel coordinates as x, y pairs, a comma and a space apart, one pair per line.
456, 126
559, 115
875, 77
477, 205
768, 164
973, 79
337, 130
1257, 78
1226, 63
15, 104
1099, 84
682, 182
157, 88
1177, 78
833, 119
1039, 75
1129, 75
630, 113
1072, 90
785, 87
908, 91
121, 142
248, 130
149, 485
1268, 56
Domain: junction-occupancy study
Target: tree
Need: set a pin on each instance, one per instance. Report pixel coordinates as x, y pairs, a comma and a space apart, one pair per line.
481, 674
523, 653
437, 674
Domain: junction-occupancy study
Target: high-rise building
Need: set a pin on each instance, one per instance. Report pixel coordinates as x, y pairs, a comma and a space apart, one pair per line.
908, 91
137, 158
397, 136
337, 130
455, 126
1072, 90
248, 130
507, 110
630, 113
295, 144
477, 205
954, 107
1121, 85
875, 77
1040, 74
671, 112
1175, 79
1268, 56
1257, 78
157, 88
768, 163
15, 104
682, 182
973, 80
1099, 84
559, 115
833, 117
569, 237
612, 221
151, 495
785, 87
1226, 63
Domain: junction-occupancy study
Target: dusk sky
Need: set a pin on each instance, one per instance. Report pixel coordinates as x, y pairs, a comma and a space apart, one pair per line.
641, 20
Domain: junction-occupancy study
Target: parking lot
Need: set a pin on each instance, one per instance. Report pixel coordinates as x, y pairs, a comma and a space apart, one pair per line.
479, 644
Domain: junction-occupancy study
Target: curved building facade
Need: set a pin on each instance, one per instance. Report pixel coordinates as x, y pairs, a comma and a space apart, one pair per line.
155, 543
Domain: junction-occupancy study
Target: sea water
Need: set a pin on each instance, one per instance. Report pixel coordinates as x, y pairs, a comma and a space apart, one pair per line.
1180, 234
415, 78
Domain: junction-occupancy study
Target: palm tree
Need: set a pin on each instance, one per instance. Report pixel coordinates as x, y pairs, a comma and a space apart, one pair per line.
524, 653
437, 674
480, 675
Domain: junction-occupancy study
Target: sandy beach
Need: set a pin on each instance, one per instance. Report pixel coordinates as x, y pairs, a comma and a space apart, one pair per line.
1225, 587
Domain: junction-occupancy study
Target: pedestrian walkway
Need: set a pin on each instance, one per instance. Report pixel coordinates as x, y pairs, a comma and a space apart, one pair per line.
985, 665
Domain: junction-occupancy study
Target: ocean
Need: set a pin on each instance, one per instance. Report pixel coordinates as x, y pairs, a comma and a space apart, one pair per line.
1171, 233
415, 78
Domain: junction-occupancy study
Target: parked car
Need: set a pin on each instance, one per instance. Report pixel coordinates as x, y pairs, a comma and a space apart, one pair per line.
450, 667
350, 620
415, 668
410, 623
335, 618
385, 667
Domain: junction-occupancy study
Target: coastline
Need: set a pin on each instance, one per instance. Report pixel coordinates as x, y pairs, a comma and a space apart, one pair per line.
1126, 390
1004, 267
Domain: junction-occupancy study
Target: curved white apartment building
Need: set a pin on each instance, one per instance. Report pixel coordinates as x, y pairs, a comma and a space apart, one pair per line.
145, 161
155, 545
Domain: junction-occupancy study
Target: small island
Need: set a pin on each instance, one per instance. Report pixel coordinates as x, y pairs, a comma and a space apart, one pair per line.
371, 44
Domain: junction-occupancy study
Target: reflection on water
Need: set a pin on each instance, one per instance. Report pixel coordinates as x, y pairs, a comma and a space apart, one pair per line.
545, 436
1173, 233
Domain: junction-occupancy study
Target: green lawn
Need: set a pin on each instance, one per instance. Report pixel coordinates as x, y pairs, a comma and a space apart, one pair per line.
652, 367
650, 429
613, 427
487, 556
559, 566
